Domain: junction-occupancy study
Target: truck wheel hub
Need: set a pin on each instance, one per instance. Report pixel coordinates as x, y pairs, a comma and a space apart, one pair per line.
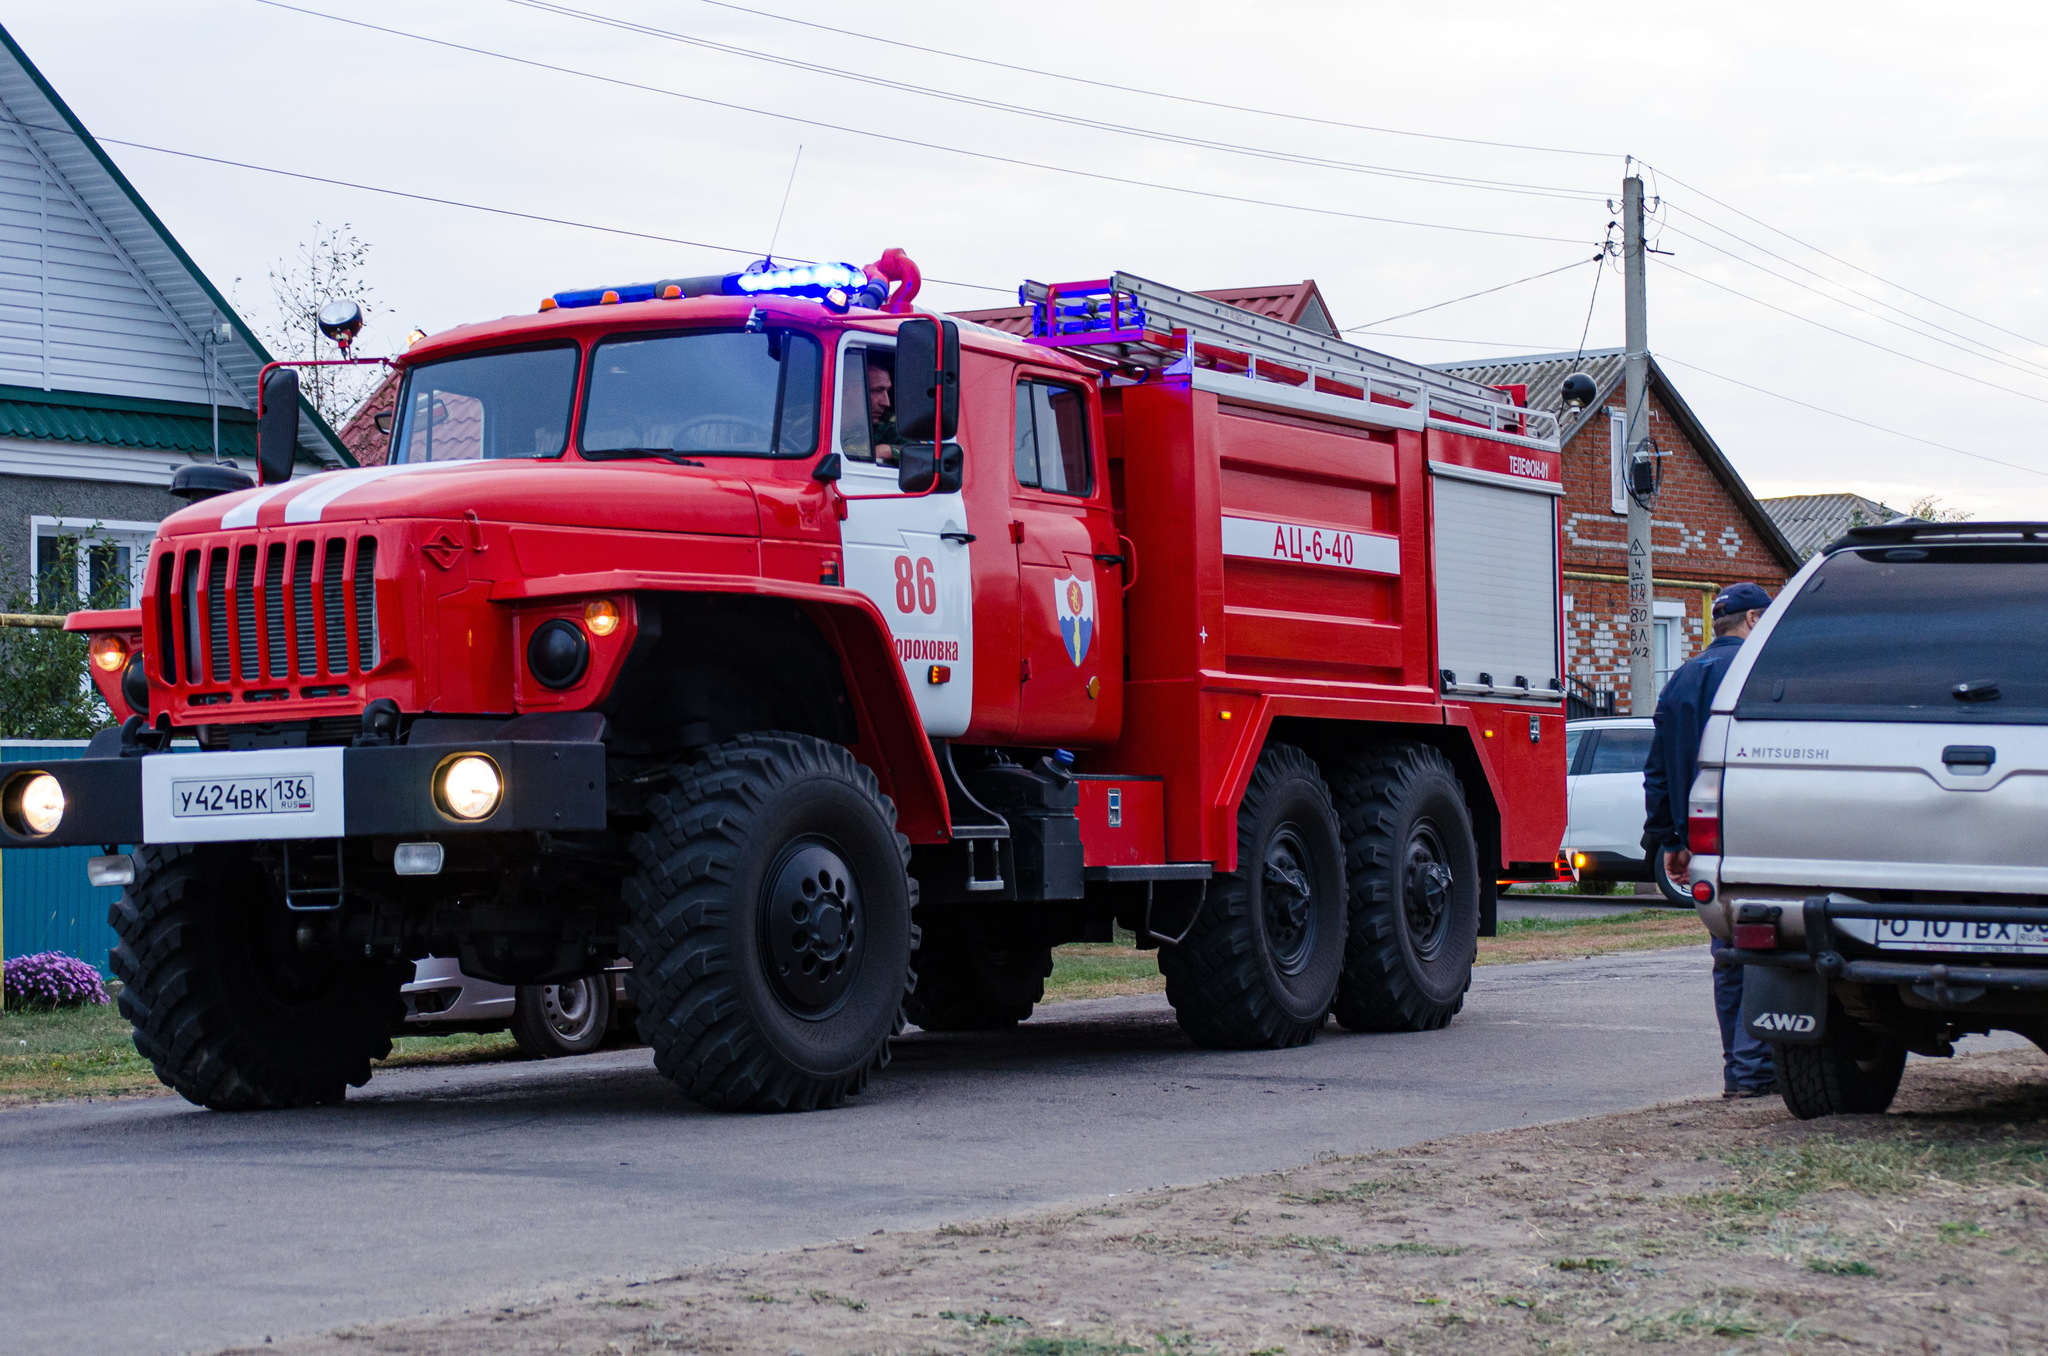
1427, 898
1288, 899
810, 928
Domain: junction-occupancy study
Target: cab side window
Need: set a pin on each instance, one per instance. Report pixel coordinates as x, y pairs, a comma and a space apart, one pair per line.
856, 439
1052, 439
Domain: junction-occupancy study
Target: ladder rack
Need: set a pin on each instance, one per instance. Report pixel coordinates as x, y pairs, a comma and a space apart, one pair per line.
1127, 320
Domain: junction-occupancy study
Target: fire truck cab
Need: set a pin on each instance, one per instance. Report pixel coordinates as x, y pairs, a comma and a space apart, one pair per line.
833, 662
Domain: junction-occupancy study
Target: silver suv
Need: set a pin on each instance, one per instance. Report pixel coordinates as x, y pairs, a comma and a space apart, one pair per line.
1870, 821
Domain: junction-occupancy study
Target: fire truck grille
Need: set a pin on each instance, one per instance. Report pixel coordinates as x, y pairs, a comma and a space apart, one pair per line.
252, 613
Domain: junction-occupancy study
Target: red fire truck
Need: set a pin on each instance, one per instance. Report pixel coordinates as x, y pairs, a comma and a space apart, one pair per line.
832, 662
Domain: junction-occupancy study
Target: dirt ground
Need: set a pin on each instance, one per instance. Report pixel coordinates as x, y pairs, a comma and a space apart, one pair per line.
1705, 1226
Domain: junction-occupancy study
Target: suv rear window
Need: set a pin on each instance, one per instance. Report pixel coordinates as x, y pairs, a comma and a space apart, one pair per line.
1889, 633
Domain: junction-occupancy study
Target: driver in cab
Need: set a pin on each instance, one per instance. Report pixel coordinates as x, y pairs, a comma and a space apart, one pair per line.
882, 408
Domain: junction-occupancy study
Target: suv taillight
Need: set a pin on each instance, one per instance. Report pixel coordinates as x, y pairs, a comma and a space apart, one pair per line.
1703, 813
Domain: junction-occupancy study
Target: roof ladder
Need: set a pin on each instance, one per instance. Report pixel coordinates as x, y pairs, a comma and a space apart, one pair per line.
1129, 321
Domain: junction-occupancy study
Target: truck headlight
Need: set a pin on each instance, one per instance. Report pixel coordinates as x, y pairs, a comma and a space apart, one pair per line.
33, 805
468, 786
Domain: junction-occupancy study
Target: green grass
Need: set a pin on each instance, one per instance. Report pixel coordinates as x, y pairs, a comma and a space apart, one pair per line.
1517, 927
1100, 969
1777, 1179
90, 1052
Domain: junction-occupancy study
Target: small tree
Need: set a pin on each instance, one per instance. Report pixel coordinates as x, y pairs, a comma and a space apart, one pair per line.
45, 690
335, 267
1929, 506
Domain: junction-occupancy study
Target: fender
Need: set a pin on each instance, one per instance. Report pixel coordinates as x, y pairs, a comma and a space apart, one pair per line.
892, 739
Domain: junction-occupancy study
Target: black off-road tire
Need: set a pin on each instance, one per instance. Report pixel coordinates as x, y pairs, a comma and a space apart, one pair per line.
550, 1021
1853, 1071
1259, 967
229, 1010
1413, 867
974, 974
739, 1019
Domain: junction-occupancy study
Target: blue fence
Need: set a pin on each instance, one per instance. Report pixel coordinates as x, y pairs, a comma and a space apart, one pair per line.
45, 903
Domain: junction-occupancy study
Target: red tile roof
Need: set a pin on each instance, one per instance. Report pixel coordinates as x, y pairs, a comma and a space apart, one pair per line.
359, 435
1296, 303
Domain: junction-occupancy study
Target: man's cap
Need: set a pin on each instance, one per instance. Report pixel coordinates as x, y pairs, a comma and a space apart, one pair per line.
1741, 598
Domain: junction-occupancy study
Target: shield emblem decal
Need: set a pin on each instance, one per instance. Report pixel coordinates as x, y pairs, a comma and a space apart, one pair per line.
1074, 605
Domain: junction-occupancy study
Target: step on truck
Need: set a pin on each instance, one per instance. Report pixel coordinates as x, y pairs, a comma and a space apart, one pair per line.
832, 662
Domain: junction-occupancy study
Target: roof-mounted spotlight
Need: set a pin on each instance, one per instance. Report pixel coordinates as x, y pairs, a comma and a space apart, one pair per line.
341, 321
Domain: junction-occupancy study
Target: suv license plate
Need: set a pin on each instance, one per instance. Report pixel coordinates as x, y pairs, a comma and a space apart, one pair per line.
242, 796
1927, 934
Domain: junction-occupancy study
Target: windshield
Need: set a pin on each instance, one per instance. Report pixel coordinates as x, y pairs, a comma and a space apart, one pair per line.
721, 393
505, 404
1891, 633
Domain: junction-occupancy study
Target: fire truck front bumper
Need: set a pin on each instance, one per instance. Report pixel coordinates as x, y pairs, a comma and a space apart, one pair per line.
424, 791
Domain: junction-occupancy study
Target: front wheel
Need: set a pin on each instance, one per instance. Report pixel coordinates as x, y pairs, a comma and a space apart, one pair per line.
1414, 872
1852, 1071
769, 925
570, 1018
238, 1003
1259, 966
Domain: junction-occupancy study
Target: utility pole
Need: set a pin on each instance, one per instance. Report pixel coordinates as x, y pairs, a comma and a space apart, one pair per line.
1638, 468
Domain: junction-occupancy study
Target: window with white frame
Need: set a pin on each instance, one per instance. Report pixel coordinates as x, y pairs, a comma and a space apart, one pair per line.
88, 562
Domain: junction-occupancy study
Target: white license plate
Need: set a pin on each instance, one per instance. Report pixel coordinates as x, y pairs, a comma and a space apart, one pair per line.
242, 796
1927, 934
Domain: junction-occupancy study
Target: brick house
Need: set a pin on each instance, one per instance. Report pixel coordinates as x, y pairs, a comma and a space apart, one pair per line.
1708, 530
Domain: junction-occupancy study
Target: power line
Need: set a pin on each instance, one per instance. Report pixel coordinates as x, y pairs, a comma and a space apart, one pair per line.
1054, 115
1157, 94
1838, 259
1973, 347
909, 141
1386, 320
452, 202
1897, 353
1837, 414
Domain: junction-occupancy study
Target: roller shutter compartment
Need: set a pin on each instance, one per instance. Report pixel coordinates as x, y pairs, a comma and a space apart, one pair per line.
1496, 589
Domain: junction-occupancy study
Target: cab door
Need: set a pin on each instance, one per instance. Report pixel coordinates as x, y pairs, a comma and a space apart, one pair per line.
1070, 605
908, 553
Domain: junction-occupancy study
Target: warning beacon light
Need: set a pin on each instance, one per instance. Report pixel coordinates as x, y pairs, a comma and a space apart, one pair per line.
341, 321
839, 286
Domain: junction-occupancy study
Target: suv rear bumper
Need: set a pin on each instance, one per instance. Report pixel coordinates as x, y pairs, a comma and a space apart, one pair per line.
388, 790
1941, 982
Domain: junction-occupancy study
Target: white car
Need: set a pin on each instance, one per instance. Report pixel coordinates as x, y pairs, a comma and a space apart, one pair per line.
1603, 837
547, 1020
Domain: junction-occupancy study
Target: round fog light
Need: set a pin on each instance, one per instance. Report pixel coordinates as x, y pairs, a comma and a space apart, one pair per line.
34, 805
109, 653
469, 787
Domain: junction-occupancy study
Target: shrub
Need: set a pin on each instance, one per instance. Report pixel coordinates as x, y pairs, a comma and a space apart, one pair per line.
51, 979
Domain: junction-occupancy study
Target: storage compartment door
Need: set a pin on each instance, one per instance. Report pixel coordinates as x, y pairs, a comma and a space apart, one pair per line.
1496, 589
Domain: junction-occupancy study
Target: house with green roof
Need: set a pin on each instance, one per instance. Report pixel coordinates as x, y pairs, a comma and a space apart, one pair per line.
119, 361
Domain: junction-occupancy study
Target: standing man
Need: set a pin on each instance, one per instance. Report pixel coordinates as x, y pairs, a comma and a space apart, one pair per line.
1746, 1069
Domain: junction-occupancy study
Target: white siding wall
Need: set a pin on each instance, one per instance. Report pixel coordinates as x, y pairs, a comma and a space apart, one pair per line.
75, 314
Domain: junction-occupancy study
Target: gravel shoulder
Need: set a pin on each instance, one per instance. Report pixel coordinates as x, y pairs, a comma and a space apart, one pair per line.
1699, 1226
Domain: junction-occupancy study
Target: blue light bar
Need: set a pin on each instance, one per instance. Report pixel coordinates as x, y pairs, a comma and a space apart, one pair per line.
839, 286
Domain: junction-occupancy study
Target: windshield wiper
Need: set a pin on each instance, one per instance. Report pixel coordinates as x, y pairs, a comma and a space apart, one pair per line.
667, 454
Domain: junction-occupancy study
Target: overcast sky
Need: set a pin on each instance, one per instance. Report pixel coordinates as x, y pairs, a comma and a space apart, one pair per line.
1893, 140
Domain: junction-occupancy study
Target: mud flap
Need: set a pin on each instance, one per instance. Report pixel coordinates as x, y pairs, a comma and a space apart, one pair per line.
1784, 1007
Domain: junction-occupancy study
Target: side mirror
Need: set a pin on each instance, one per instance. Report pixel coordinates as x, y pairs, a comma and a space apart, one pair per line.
382, 419
277, 432
927, 380
923, 468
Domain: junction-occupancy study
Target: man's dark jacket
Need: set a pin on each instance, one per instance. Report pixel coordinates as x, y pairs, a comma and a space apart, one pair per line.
1675, 749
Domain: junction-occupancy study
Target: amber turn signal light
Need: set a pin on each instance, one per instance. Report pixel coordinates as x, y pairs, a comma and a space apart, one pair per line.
601, 616
109, 653
939, 673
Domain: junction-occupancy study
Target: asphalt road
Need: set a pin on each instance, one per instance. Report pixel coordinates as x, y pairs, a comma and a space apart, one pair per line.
153, 1226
